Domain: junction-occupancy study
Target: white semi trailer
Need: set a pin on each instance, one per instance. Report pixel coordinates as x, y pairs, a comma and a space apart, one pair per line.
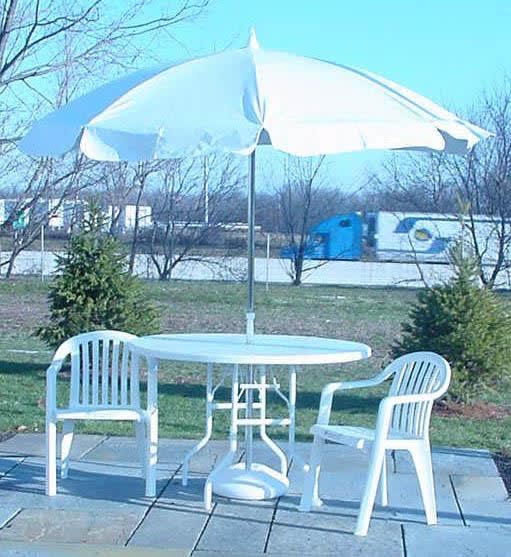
403, 236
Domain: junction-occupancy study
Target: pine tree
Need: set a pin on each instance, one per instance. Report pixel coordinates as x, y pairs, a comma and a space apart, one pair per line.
467, 324
93, 289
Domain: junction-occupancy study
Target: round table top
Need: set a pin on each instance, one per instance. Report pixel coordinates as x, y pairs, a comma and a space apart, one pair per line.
223, 348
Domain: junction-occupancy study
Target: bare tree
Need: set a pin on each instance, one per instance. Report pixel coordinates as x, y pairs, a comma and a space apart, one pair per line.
116, 188
411, 182
298, 209
51, 51
476, 186
180, 221
33, 32
142, 173
46, 182
483, 180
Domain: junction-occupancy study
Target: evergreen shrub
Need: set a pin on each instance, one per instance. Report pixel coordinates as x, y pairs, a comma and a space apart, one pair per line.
93, 290
469, 325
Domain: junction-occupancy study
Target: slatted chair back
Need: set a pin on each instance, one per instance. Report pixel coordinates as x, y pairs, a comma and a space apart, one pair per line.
419, 373
104, 372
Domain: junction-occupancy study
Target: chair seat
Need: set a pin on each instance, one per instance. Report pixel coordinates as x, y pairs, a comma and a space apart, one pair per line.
101, 413
358, 437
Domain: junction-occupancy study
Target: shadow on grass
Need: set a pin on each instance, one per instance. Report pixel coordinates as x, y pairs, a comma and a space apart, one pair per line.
306, 400
20, 368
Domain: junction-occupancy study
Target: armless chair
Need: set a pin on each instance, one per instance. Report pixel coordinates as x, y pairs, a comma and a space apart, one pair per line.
402, 424
104, 385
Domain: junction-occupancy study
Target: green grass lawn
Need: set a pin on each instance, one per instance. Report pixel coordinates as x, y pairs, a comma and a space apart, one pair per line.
372, 316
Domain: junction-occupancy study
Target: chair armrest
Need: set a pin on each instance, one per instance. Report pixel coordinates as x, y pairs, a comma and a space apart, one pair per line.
327, 394
51, 385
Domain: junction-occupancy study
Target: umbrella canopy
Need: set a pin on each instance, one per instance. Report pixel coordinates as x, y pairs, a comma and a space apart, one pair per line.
238, 99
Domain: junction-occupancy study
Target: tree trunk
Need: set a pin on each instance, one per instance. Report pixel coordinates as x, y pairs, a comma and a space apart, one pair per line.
298, 265
12, 259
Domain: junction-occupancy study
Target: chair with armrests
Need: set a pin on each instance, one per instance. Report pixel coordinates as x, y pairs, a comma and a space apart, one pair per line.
104, 385
402, 424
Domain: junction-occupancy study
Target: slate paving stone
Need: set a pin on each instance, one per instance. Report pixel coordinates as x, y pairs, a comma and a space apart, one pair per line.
343, 479
336, 457
119, 450
343, 469
34, 444
171, 453
94, 486
247, 553
71, 526
479, 488
22, 549
7, 512
330, 532
191, 494
341, 484
205, 460
483, 500
105, 481
489, 514
424, 541
238, 526
449, 460
405, 501
177, 518
176, 526
8, 462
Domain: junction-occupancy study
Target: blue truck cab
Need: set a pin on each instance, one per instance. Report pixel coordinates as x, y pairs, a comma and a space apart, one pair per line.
338, 237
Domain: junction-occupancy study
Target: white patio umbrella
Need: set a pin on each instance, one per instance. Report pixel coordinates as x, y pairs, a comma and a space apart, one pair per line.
238, 99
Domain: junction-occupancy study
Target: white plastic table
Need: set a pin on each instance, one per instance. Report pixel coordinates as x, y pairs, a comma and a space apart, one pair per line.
246, 363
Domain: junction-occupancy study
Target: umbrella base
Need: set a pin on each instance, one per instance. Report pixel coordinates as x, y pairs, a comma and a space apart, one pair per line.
260, 482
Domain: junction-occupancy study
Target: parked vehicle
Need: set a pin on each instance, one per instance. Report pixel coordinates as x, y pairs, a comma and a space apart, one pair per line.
396, 236
338, 237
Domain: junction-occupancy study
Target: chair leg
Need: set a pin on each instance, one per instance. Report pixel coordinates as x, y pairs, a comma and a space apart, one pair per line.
51, 457
65, 447
421, 455
310, 494
384, 494
208, 494
373, 477
151, 456
141, 438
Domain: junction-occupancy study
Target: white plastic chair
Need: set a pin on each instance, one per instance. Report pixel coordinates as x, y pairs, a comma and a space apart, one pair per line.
402, 423
104, 385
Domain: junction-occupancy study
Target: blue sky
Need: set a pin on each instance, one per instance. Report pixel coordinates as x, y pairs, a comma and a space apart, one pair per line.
447, 50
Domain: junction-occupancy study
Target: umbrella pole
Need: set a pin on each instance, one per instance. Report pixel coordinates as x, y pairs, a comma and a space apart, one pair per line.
251, 245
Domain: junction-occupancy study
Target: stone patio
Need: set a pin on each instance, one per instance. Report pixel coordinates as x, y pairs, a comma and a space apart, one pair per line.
101, 509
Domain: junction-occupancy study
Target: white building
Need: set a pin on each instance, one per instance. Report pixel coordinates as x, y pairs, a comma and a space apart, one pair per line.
145, 216
55, 214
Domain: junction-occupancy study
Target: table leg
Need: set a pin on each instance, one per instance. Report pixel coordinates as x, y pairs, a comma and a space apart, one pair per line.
233, 439
209, 424
152, 441
292, 412
249, 430
262, 428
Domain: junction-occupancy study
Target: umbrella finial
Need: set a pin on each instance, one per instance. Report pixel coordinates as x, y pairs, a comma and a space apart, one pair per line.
252, 39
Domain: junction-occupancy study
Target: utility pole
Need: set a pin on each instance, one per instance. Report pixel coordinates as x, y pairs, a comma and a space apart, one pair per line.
205, 178
42, 252
267, 262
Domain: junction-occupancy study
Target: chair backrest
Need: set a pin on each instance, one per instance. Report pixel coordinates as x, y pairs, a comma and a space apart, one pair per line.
419, 373
104, 372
